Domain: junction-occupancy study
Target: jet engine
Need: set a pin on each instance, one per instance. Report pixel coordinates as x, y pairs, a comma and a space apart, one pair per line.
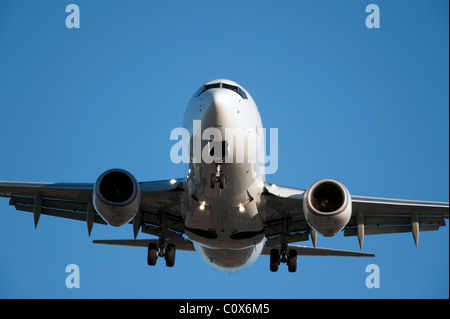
117, 197
327, 206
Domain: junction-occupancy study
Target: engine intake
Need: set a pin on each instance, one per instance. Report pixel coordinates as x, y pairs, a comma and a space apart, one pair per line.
327, 206
117, 196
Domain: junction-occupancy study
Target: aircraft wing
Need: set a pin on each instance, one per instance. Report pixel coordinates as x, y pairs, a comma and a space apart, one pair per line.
74, 201
370, 215
184, 244
314, 251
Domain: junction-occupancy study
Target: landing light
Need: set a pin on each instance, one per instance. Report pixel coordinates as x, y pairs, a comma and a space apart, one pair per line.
202, 205
241, 208
173, 181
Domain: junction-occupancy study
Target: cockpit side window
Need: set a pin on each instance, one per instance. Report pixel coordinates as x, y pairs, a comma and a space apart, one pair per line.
242, 93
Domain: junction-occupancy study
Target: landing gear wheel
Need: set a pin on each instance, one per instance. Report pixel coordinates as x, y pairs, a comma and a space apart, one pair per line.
170, 255
222, 181
274, 260
213, 180
292, 261
152, 255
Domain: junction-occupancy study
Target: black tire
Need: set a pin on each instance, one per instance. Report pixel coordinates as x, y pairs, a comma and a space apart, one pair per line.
152, 255
213, 180
292, 261
222, 181
170, 255
274, 260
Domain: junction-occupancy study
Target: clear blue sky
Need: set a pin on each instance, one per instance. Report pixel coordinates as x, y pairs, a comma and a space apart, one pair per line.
367, 107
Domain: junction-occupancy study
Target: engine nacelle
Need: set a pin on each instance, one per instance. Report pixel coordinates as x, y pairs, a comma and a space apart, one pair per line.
327, 207
117, 197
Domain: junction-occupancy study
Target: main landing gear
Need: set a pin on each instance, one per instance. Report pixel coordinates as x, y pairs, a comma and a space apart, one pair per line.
154, 253
290, 259
156, 248
282, 255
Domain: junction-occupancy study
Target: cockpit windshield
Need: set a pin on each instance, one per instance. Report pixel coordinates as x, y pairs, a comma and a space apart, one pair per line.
209, 86
234, 88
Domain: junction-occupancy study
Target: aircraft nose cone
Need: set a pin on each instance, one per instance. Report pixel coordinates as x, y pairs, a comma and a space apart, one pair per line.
218, 107
219, 113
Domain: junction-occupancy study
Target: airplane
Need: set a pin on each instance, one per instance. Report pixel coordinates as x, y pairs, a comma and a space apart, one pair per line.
223, 208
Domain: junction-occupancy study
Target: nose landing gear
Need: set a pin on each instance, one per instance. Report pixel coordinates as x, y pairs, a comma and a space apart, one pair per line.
218, 177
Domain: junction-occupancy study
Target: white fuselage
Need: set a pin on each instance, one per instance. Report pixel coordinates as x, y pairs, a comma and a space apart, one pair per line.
225, 177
